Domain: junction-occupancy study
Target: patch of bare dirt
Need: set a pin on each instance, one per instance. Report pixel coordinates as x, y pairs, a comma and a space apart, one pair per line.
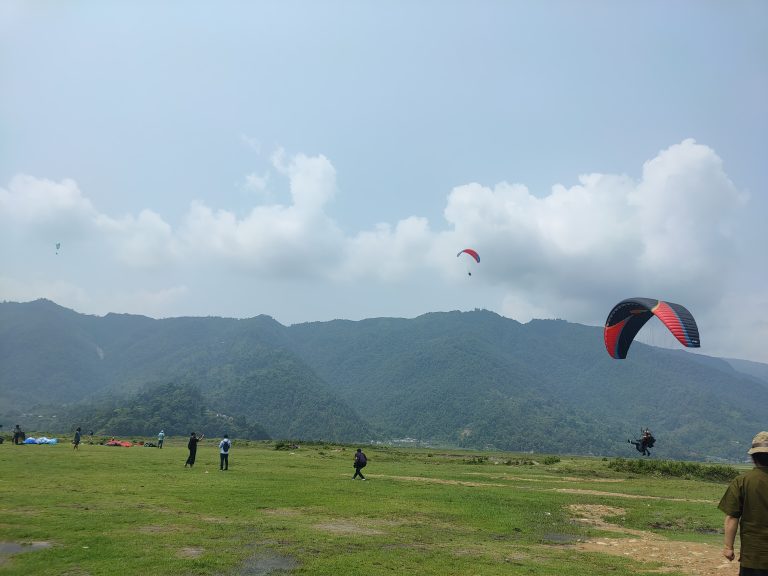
281, 512
439, 481
552, 479
216, 519
190, 552
347, 527
631, 496
597, 480
687, 557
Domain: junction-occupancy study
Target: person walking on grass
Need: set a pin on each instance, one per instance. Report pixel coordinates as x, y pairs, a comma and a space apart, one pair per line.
745, 504
76, 440
192, 445
160, 439
360, 462
224, 447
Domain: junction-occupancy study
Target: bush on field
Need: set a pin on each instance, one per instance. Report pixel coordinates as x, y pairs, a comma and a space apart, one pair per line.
476, 460
710, 472
286, 445
551, 460
519, 462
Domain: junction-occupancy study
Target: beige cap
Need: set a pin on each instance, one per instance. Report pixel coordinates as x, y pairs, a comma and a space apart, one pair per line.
759, 443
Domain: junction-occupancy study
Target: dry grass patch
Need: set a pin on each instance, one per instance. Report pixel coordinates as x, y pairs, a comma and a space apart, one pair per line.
439, 481
685, 557
348, 527
284, 512
549, 479
190, 552
631, 496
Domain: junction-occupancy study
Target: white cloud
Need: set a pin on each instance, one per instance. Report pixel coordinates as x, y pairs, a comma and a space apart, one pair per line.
145, 241
251, 142
256, 182
295, 240
672, 234
16, 289
153, 303
685, 205
388, 254
44, 204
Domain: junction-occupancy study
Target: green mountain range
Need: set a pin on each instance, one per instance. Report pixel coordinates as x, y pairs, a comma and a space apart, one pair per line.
463, 379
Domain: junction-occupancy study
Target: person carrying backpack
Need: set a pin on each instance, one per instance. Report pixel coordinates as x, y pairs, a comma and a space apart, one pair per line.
360, 461
224, 447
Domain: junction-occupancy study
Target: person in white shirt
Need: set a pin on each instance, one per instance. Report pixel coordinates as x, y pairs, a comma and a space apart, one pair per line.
224, 447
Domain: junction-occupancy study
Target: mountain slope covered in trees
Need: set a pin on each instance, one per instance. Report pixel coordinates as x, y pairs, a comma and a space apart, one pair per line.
472, 379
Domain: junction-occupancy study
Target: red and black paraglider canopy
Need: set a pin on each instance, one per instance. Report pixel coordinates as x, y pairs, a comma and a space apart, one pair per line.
471, 252
630, 315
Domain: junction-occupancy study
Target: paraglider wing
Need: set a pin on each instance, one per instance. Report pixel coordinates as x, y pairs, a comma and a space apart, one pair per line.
629, 316
471, 252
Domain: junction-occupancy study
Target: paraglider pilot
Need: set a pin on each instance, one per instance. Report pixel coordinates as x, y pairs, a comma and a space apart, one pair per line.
645, 442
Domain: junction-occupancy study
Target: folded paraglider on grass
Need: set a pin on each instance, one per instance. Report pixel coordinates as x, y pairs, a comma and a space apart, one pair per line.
114, 442
41, 440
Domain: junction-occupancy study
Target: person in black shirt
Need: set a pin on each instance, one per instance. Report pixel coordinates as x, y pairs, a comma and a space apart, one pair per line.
192, 445
360, 461
18, 435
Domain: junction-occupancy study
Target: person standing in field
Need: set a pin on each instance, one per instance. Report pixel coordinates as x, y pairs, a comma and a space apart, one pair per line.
224, 447
160, 438
18, 435
192, 445
360, 462
745, 504
76, 439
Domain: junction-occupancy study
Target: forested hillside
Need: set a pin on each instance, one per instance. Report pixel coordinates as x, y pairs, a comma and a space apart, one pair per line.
472, 379
80, 367
478, 379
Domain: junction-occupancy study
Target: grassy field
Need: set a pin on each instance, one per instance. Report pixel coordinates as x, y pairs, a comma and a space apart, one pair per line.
110, 510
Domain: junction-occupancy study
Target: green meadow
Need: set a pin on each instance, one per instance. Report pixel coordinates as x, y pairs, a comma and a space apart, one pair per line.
112, 510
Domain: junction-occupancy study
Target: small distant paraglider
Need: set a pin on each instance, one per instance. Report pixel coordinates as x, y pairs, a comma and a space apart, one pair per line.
628, 316
58, 247
473, 254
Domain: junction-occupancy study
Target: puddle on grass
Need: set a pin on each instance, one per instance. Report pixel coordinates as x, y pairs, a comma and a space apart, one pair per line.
265, 564
555, 538
10, 548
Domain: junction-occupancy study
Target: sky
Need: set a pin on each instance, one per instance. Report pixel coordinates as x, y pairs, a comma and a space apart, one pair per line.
321, 160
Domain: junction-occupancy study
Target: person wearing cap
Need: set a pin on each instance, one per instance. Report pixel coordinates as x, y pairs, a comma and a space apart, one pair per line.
745, 505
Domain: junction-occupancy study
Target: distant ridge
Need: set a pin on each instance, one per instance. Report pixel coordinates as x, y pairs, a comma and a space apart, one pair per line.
469, 379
